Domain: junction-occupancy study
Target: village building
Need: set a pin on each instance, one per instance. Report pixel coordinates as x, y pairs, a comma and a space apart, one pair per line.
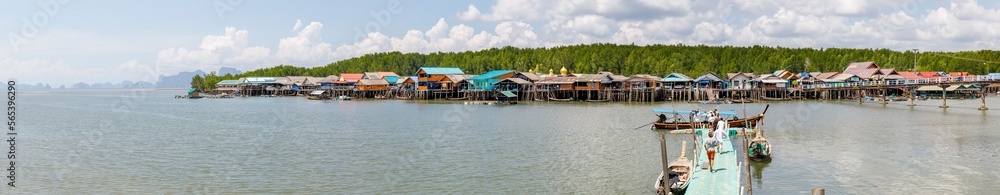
429, 78
677, 81
741, 80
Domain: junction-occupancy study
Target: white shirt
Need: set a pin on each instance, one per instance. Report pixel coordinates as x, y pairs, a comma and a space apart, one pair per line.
721, 135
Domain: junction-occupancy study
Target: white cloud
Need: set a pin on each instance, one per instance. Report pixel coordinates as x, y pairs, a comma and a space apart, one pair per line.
307, 47
471, 14
562, 10
230, 49
444, 37
298, 25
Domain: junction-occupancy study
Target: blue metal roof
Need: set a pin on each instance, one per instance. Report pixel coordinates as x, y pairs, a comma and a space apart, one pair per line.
676, 77
391, 79
490, 74
442, 70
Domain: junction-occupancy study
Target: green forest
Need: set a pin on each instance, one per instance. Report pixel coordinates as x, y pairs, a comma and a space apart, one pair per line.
656, 60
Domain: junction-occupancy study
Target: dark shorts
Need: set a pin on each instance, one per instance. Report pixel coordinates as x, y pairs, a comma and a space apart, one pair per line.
711, 154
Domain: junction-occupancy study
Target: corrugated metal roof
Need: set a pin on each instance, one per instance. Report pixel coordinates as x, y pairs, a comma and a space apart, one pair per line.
827, 75
458, 77
676, 77
508, 94
259, 80
518, 81
441, 70
856, 67
593, 78
839, 78
228, 82
329, 79
531, 76
557, 80
372, 82
491, 74
619, 78
709, 77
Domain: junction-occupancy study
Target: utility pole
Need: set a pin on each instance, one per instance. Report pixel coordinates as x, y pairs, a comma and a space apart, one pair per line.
915, 59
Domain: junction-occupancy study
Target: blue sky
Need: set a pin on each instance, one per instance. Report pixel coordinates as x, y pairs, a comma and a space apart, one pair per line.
111, 41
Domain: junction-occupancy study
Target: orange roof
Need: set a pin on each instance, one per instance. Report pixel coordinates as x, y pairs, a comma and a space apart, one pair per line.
351, 77
383, 74
958, 74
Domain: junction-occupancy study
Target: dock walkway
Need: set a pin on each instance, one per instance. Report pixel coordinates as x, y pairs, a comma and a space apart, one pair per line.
726, 179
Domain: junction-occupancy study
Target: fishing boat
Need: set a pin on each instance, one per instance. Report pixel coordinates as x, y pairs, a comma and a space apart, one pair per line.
560, 100
716, 101
403, 97
680, 124
679, 172
774, 99
737, 101
759, 148
343, 97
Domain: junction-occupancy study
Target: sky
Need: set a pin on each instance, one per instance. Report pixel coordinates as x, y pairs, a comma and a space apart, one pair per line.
62, 42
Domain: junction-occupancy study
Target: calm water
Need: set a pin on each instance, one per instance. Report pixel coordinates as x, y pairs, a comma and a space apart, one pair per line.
148, 142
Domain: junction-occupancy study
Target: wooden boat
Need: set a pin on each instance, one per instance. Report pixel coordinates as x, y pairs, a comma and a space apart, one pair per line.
679, 172
752, 121
774, 99
403, 97
737, 101
598, 100
759, 148
716, 101
461, 98
315, 97
560, 100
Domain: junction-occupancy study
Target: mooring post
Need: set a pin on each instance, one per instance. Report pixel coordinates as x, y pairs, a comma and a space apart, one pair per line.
912, 96
982, 94
944, 97
818, 191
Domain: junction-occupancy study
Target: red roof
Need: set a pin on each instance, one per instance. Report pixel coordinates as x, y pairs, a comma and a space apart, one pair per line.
928, 74
910, 75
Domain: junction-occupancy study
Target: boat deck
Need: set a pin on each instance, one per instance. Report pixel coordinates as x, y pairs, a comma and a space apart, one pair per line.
726, 179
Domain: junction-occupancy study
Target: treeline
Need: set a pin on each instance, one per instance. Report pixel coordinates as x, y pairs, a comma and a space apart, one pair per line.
656, 60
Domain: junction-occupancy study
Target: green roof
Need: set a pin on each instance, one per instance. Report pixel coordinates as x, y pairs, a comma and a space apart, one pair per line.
508, 94
442, 70
228, 82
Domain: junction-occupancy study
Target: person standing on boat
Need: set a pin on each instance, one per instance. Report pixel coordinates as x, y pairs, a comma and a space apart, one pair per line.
711, 144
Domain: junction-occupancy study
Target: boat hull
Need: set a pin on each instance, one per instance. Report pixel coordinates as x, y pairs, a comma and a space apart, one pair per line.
752, 121
775, 99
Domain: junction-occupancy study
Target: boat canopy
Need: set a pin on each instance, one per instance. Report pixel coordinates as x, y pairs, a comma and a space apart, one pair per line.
667, 111
508, 94
317, 92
